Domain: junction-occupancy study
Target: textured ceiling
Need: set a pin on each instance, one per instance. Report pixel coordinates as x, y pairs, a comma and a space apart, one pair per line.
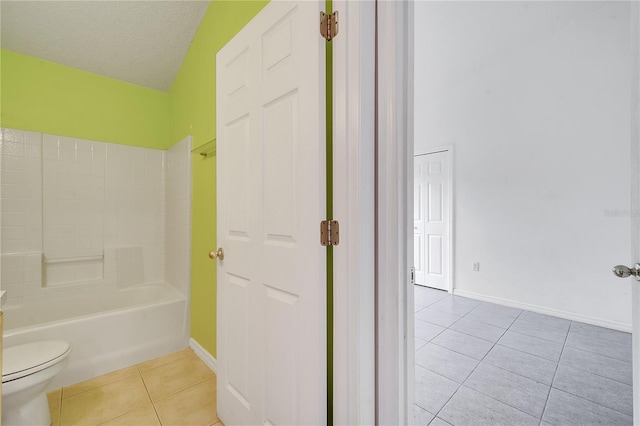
141, 42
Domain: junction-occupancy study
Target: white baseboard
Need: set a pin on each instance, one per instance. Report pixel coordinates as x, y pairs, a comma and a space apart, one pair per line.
544, 310
205, 356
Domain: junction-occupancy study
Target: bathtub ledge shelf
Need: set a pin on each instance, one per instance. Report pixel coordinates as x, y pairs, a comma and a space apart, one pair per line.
53, 261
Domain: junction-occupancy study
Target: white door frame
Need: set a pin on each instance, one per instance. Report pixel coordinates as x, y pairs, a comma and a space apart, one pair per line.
449, 149
353, 201
360, 272
353, 403
395, 344
355, 272
396, 90
635, 199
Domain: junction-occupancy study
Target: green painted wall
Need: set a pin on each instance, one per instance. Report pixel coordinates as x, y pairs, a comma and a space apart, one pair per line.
45, 97
193, 111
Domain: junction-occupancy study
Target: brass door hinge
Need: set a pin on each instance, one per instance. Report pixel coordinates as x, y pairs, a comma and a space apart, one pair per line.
329, 25
329, 233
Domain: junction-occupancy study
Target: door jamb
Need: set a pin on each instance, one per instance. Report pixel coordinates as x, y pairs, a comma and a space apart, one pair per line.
353, 201
355, 264
634, 16
395, 349
449, 149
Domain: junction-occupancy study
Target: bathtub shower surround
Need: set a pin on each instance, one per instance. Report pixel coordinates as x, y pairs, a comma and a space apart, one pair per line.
73, 190
78, 212
83, 223
103, 212
178, 215
21, 214
110, 329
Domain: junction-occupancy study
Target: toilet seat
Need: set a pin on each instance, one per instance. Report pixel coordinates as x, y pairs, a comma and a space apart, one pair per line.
24, 360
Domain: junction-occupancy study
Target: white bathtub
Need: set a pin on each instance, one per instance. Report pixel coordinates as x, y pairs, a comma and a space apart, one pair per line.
107, 330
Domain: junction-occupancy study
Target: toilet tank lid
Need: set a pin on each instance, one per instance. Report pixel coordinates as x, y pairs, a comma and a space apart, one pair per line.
24, 357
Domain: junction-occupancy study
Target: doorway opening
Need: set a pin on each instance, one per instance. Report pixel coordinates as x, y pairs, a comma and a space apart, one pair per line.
536, 100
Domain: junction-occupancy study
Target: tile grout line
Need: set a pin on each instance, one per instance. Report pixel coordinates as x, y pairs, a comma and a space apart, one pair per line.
62, 397
59, 409
517, 374
475, 390
489, 396
493, 365
477, 337
596, 353
526, 353
134, 369
474, 369
557, 363
176, 392
546, 402
164, 363
466, 334
482, 360
149, 395
591, 372
578, 396
128, 412
592, 402
435, 415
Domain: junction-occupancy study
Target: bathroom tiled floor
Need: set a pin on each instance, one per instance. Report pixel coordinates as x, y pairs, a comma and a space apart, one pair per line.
479, 363
177, 389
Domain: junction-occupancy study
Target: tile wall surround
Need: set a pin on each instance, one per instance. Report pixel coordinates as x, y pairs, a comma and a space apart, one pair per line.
21, 214
178, 215
78, 213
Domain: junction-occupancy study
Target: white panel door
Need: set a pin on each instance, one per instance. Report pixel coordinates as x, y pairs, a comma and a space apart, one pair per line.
431, 220
419, 255
271, 198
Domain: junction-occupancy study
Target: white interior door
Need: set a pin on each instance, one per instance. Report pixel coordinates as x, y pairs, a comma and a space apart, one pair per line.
271, 197
419, 228
431, 220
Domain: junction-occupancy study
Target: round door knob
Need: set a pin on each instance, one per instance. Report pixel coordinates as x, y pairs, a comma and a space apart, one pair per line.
218, 254
622, 271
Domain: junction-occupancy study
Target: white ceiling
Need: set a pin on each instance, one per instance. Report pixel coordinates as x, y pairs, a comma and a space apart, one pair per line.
140, 42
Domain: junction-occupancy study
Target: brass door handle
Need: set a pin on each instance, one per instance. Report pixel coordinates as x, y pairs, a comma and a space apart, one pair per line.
218, 254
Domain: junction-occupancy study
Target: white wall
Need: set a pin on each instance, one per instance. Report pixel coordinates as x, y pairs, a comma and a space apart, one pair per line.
178, 216
535, 98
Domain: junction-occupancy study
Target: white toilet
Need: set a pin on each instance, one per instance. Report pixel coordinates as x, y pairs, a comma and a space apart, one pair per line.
26, 371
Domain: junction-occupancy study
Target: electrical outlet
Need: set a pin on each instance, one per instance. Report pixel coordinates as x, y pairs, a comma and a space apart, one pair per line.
476, 266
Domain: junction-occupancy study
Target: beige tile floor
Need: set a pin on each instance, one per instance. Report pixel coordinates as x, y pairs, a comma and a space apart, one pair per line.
177, 389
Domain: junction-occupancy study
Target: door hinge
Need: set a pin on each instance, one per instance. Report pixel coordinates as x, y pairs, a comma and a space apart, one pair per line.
329, 25
329, 233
